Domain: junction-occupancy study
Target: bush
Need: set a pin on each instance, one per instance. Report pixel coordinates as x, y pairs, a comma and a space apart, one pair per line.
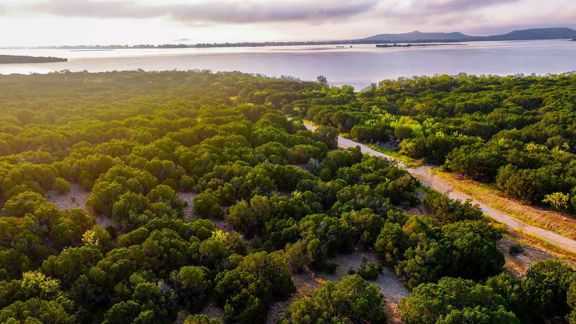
369, 271
61, 186
516, 249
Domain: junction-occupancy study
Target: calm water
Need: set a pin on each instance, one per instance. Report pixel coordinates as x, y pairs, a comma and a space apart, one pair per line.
358, 66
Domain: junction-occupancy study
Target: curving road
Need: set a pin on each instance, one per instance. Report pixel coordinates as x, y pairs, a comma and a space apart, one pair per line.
427, 178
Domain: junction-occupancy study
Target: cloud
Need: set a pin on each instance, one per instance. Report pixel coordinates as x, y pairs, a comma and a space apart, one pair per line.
429, 9
438, 13
222, 11
453, 6
97, 9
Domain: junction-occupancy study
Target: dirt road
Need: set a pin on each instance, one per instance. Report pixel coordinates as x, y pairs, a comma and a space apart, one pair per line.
427, 178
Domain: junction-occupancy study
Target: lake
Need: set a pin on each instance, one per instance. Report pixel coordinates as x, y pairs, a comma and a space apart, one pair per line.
358, 65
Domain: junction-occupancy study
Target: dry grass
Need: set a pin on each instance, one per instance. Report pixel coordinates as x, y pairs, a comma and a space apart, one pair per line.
553, 250
548, 219
408, 161
518, 264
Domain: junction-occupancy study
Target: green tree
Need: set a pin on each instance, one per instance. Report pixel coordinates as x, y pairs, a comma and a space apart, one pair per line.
352, 300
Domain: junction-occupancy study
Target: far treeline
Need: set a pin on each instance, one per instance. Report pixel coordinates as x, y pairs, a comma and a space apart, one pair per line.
271, 199
21, 59
517, 132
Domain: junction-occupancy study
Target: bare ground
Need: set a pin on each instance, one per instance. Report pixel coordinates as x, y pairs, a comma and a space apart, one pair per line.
77, 198
188, 197
518, 264
213, 311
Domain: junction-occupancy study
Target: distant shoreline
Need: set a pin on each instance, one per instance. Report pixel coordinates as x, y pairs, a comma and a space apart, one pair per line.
273, 44
415, 45
23, 59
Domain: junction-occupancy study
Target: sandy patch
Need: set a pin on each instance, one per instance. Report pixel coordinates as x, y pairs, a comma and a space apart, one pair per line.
305, 284
212, 310
77, 198
518, 264
188, 197
390, 285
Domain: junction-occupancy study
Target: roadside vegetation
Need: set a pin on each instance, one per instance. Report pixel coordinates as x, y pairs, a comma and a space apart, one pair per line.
516, 132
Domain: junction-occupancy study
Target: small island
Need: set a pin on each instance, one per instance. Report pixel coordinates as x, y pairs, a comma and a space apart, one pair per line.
21, 59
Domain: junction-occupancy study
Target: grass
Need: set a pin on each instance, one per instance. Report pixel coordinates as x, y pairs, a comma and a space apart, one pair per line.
551, 249
408, 161
490, 195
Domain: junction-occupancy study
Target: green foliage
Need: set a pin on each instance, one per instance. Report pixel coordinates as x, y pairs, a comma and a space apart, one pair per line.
247, 291
61, 186
454, 300
515, 131
447, 211
351, 300
201, 319
546, 288
137, 141
369, 271
36, 311
192, 285
465, 249
206, 205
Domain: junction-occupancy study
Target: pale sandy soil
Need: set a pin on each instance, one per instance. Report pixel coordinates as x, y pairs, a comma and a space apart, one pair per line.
213, 311
188, 197
77, 198
392, 288
305, 285
519, 263
390, 285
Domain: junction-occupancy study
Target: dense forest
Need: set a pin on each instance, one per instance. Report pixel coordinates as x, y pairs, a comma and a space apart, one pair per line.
271, 199
517, 132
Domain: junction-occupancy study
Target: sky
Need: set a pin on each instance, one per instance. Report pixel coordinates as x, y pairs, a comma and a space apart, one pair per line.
104, 22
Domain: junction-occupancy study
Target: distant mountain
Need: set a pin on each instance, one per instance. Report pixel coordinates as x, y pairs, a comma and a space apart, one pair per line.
525, 34
417, 36
537, 33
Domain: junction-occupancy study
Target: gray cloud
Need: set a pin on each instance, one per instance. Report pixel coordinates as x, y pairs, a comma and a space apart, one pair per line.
213, 12
97, 9
438, 13
459, 5
246, 12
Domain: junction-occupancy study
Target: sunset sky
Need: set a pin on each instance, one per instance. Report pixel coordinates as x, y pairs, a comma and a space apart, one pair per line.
88, 22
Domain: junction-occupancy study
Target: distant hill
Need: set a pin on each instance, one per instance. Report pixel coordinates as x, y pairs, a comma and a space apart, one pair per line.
525, 34
537, 33
417, 36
